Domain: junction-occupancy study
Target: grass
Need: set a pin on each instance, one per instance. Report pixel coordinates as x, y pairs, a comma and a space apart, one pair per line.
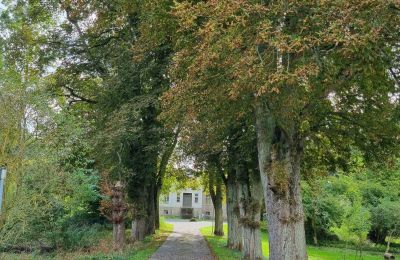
218, 245
153, 242
104, 251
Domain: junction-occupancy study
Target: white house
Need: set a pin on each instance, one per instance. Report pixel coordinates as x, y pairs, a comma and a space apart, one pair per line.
188, 203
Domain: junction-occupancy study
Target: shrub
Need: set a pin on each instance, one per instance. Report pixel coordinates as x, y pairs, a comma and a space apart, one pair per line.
323, 211
49, 208
386, 220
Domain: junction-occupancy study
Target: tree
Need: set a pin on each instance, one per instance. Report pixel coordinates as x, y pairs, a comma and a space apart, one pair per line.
229, 148
118, 211
215, 180
260, 85
307, 69
105, 76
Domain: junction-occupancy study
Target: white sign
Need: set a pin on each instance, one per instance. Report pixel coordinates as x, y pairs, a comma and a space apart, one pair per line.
3, 173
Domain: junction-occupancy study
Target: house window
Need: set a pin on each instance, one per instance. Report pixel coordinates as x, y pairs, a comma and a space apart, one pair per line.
196, 198
208, 199
178, 198
165, 211
208, 213
166, 199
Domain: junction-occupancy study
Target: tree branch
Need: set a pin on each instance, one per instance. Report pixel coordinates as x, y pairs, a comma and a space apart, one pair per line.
73, 94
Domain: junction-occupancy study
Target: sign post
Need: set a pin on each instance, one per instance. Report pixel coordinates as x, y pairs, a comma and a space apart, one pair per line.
3, 173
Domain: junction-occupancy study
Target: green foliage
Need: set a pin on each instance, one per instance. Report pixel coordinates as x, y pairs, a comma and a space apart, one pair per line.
296, 58
73, 236
386, 219
51, 187
51, 206
355, 226
52, 198
139, 251
362, 201
85, 93
322, 208
179, 178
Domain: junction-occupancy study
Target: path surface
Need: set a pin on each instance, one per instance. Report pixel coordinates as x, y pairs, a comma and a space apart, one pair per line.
185, 243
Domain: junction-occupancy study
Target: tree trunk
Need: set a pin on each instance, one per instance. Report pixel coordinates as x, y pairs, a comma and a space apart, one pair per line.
151, 211
119, 234
157, 207
249, 192
219, 217
314, 227
118, 214
279, 156
232, 211
138, 231
141, 217
143, 223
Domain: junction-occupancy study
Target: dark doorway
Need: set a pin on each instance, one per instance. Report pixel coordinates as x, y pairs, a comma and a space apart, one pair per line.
187, 200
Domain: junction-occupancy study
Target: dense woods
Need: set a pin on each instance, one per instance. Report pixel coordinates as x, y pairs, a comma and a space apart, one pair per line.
283, 109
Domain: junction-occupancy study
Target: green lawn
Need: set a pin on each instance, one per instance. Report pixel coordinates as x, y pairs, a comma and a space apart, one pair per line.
138, 251
218, 245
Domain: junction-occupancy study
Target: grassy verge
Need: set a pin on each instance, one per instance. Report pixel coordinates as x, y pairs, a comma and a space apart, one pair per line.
153, 242
138, 251
218, 244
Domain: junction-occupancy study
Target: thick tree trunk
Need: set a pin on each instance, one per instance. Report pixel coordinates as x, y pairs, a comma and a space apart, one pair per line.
144, 215
232, 211
138, 232
143, 219
249, 192
119, 234
118, 214
219, 220
279, 161
143, 223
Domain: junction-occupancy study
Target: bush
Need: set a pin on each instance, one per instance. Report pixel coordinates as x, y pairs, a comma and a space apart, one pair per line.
322, 209
385, 220
355, 225
76, 236
50, 208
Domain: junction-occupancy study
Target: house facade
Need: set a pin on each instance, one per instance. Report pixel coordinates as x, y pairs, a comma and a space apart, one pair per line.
187, 204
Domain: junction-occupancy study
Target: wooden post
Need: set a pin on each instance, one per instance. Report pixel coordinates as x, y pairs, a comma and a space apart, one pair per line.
118, 215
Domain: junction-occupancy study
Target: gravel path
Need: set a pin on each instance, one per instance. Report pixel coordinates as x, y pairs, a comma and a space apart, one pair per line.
185, 243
